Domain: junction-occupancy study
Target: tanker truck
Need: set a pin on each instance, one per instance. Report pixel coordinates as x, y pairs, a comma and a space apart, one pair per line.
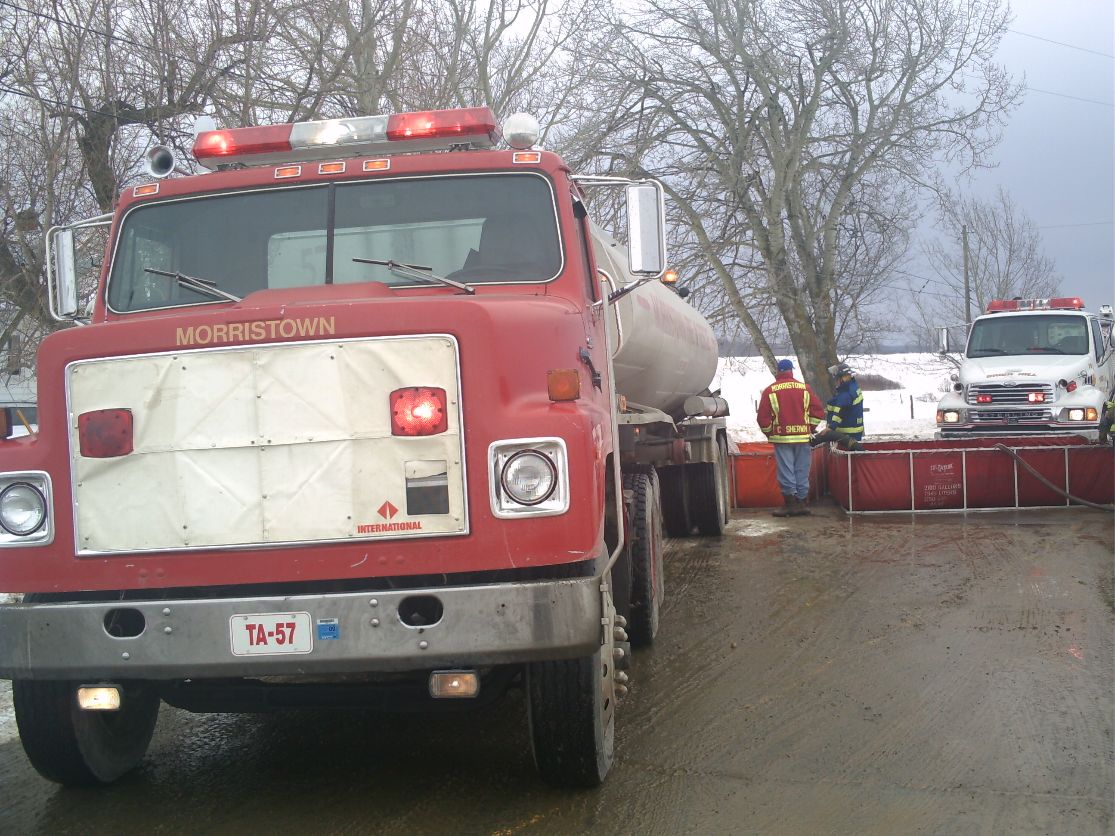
368, 414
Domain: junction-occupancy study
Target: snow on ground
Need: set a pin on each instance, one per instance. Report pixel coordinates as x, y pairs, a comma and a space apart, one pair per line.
924, 379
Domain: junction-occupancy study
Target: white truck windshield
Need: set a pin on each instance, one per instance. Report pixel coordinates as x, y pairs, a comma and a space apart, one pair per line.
1031, 334
474, 229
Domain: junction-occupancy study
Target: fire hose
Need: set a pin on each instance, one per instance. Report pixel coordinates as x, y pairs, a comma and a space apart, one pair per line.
1049, 484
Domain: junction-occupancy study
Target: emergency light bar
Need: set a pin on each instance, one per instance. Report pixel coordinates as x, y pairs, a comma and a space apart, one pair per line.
1061, 303
332, 138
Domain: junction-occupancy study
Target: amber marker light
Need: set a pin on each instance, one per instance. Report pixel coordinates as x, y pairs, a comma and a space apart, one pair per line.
454, 684
288, 171
98, 698
377, 165
563, 384
522, 157
331, 168
145, 190
670, 277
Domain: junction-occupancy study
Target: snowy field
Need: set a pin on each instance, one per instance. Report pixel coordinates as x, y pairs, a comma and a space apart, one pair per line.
923, 378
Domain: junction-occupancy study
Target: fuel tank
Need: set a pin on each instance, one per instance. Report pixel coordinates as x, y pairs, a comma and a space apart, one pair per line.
665, 351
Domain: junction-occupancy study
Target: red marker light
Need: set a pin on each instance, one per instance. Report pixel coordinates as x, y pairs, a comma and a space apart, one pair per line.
240, 141
442, 124
983, 399
1070, 386
105, 433
418, 410
1070, 302
1036, 397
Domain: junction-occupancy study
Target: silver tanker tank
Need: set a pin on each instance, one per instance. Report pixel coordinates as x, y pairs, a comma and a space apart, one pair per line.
665, 351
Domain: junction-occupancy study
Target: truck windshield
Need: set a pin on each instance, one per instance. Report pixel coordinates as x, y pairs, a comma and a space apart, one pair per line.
1042, 334
476, 229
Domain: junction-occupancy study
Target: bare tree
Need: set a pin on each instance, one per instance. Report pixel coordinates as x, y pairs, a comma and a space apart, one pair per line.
796, 127
1005, 258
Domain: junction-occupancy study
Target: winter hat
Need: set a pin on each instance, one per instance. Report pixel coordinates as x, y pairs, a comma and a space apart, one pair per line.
785, 366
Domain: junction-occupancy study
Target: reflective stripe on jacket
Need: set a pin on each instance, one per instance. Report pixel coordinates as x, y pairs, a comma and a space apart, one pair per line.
788, 410
844, 413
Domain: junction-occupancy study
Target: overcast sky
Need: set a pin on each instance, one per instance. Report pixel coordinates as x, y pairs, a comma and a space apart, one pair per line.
1056, 158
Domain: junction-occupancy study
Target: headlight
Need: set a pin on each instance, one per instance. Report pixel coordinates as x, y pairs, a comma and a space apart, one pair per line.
948, 416
22, 509
528, 477
1083, 414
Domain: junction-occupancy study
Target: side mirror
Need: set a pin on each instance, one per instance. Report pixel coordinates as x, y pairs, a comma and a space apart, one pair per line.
646, 227
942, 340
65, 275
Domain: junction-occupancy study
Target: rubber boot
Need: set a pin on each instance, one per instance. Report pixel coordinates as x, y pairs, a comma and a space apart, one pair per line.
800, 508
787, 509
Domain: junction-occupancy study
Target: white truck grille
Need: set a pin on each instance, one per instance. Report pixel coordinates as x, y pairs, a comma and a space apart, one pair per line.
1009, 394
267, 444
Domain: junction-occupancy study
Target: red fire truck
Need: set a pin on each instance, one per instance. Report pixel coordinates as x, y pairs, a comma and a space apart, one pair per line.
371, 414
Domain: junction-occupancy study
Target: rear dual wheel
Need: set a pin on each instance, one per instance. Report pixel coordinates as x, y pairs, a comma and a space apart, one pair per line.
711, 492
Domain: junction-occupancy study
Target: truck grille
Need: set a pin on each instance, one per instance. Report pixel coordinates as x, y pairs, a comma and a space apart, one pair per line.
1004, 394
1000, 416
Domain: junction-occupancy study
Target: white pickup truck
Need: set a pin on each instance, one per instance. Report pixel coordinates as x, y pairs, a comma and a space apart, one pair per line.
1031, 366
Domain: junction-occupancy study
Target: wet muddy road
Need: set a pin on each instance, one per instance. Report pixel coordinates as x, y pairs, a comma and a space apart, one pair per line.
820, 675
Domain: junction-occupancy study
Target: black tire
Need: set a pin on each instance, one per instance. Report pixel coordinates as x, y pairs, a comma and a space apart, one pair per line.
711, 492
675, 500
645, 549
83, 748
571, 709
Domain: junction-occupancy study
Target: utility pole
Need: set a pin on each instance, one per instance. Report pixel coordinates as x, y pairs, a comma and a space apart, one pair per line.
967, 286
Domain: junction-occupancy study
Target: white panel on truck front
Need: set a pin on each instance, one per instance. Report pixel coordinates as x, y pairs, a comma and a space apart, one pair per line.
267, 444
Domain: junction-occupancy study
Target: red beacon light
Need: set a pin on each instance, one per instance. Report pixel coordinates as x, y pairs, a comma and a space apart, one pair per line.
1060, 303
433, 130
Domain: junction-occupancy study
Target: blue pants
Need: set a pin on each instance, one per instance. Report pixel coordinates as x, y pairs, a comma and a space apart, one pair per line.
792, 461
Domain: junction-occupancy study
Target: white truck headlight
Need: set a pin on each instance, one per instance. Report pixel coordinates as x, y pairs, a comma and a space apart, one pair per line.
948, 416
22, 509
528, 477
25, 509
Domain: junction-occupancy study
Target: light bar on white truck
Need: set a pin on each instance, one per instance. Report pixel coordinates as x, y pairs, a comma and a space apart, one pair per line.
398, 133
1061, 303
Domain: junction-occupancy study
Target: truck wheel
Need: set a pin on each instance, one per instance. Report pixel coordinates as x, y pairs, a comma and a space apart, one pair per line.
647, 582
675, 500
82, 748
711, 492
571, 708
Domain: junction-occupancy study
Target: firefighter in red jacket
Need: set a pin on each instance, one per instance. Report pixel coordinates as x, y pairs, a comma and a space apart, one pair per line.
789, 411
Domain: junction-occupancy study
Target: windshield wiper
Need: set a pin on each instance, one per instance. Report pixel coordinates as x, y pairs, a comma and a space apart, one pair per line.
206, 287
417, 271
980, 351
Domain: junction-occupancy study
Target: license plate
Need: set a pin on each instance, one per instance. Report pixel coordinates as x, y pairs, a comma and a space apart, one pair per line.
267, 634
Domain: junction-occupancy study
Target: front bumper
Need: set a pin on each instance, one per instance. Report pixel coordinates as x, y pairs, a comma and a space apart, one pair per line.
191, 639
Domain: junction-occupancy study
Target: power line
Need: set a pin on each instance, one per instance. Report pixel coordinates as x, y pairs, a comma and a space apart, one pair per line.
1067, 96
110, 36
70, 23
1071, 226
1060, 43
